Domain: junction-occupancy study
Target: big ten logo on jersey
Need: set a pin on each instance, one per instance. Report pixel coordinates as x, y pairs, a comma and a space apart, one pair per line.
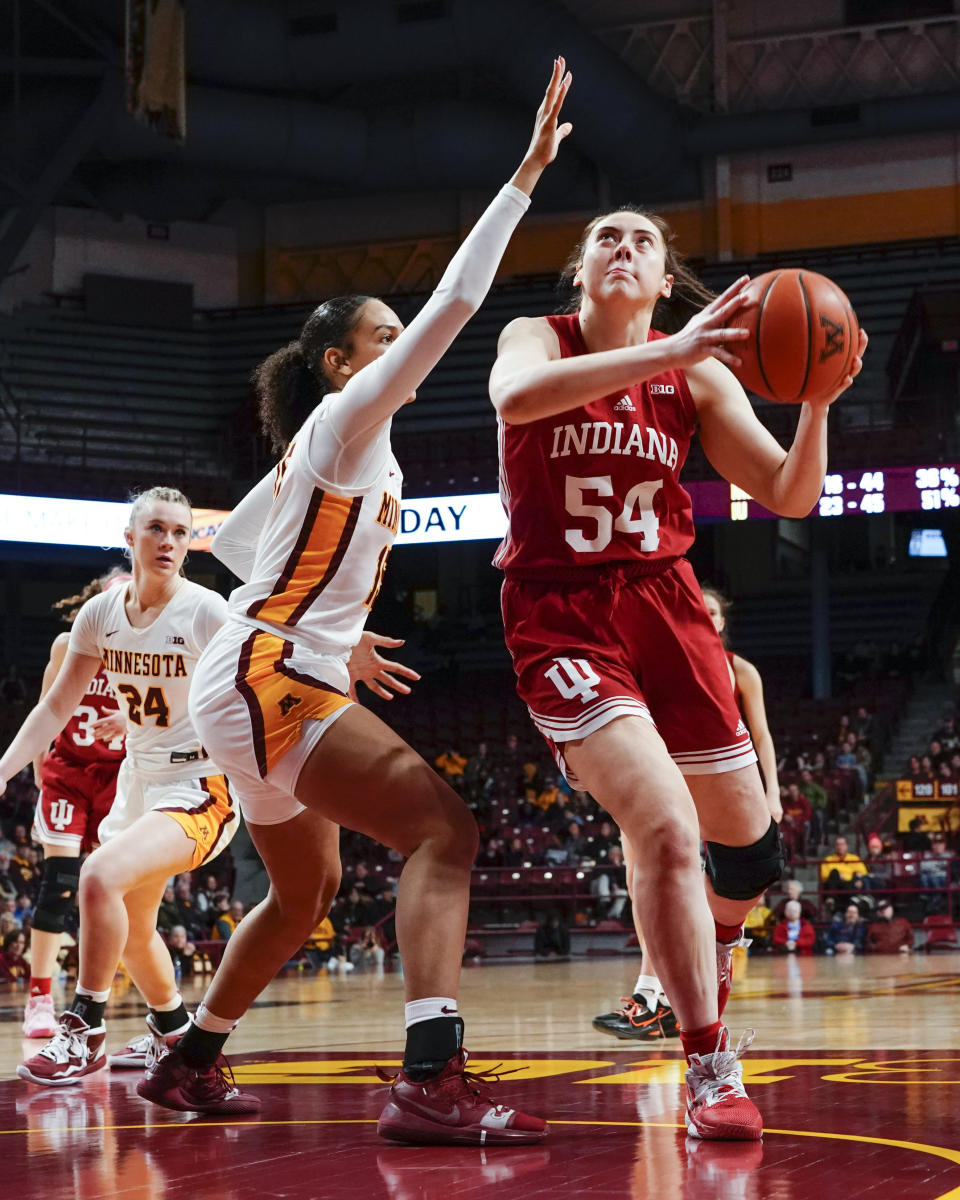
389, 514
60, 814
573, 678
614, 437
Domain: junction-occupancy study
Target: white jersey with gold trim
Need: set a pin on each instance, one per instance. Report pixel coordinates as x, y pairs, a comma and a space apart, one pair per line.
150, 671
322, 551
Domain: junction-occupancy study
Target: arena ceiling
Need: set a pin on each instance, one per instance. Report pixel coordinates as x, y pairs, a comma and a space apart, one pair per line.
313, 98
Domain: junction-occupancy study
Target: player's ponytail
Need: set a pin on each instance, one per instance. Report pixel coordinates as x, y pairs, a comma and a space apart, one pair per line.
69, 606
688, 294
292, 381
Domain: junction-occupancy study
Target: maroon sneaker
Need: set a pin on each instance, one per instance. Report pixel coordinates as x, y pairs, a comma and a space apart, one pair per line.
725, 969
174, 1083
453, 1109
74, 1051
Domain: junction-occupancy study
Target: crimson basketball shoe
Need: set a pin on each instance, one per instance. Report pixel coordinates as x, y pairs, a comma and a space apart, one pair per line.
453, 1109
174, 1083
718, 1108
636, 1022
74, 1050
144, 1049
725, 969
39, 1017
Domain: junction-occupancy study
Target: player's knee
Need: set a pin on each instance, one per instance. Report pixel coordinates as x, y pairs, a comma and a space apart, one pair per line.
666, 849
96, 882
743, 872
58, 889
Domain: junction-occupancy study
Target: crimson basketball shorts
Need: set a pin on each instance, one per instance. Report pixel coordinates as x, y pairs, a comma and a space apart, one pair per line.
74, 798
587, 653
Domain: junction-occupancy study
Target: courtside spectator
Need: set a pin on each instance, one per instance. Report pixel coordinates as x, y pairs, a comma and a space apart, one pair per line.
183, 953
228, 918
889, 934
915, 839
13, 966
794, 891
838, 869
552, 939
758, 924
847, 934
794, 934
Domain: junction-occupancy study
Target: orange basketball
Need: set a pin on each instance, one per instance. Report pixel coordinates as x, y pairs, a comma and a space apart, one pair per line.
804, 336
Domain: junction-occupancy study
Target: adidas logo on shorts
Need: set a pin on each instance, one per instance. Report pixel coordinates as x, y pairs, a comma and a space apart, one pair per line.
624, 404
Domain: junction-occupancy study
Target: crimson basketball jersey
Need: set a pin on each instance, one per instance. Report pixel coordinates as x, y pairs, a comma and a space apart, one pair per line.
598, 484
75, 741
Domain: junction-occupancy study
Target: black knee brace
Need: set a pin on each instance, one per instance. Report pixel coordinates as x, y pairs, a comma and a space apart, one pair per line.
58, 887
742, 872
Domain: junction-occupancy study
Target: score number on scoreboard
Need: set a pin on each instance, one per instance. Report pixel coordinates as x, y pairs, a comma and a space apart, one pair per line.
853, 492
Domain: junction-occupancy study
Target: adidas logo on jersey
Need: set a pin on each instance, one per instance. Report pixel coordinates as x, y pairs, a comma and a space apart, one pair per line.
662, 389
624, 404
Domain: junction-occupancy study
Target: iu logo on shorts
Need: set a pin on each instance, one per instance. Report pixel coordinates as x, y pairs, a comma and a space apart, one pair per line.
574, 677
61, 814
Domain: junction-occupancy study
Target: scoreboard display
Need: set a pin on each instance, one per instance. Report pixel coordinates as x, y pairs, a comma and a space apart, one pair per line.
845, 493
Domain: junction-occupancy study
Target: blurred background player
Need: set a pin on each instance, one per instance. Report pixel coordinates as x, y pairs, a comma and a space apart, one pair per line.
77, 780
616, 658
647, 1014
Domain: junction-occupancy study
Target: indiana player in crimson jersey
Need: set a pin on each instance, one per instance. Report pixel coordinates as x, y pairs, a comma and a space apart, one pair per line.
615, 655
77, 780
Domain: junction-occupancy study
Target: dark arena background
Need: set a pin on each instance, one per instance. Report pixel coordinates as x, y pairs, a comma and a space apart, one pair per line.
180, 184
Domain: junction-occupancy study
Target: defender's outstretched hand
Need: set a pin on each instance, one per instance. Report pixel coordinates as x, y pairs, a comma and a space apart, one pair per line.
379, 674
547, 134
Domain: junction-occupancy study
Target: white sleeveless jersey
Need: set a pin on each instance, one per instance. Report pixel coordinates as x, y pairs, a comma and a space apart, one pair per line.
322, 551
150, 671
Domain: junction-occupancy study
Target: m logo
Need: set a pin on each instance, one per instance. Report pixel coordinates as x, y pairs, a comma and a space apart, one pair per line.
289, 701
834, 336
61, 814
574, 677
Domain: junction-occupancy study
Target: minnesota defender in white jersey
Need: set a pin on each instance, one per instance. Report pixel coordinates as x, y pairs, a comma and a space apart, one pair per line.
270, 698
173, 810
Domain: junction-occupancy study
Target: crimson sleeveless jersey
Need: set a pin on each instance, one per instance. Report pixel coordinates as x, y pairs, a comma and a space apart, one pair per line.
76, 741
598, 485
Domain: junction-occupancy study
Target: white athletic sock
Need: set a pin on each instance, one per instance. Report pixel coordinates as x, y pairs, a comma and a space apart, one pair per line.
96, 997
203, 1018
416, 1011
170, 1006
649, 987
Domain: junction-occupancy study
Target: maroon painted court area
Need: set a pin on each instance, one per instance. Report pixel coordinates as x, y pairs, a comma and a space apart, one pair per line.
841, 1125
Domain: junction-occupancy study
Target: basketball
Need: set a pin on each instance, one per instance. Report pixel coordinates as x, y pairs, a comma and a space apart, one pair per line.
804, 336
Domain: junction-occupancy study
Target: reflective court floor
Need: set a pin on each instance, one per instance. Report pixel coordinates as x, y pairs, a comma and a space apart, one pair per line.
855, 1067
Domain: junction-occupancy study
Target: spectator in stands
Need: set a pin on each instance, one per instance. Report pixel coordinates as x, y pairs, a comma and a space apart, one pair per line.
368, 950
889, 934
13, 966
206, 897
552, 939
926, 767
915, 773
860, 896
838, 869
229, 916
794, 891
576, 844
516, 854
843, 730
951, 824
7, 922
847, 934
796, 821
24, 908
915, 840
945, 773
794, 934
321, 947
478, 776
935, 866
352, 912
491, 854
8, 886
947, 734
183, 953
601, 841
758, 925
167, 913
862, 724
451, 764
609, 884
864, 760
878, 863
556, 854
187, 913
936, 755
